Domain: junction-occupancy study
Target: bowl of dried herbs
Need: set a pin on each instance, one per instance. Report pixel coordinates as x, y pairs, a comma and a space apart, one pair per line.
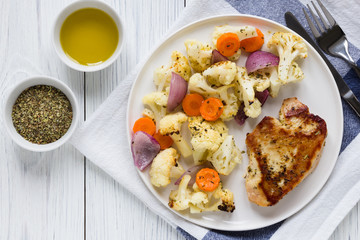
41, 113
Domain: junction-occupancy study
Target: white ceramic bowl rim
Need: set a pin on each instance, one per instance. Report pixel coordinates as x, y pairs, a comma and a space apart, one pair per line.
14, 93
81, 5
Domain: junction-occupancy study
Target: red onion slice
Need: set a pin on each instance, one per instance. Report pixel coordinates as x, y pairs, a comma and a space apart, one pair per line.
178, 90
144, 149
240, 116
217, 57
262, 96
260, 59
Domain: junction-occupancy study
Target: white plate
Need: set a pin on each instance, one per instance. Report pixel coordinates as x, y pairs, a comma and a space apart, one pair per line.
318, 91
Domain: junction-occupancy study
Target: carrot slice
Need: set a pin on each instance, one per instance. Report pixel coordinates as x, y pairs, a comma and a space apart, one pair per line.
207, 179
144, 124
191, 104
253, 44
164, 141
228, 44
211, 109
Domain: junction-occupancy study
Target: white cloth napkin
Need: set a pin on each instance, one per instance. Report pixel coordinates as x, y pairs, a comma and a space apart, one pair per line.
103, 140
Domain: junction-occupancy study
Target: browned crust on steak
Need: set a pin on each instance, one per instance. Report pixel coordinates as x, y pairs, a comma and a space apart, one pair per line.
282, 153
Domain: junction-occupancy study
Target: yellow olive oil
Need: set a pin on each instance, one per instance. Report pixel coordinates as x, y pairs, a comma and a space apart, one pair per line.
89, 36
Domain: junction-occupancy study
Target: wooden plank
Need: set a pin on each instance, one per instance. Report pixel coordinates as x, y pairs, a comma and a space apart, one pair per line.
42, 194
112, 212
349, 227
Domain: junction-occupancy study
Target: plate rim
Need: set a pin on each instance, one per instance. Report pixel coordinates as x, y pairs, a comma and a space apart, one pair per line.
167, 37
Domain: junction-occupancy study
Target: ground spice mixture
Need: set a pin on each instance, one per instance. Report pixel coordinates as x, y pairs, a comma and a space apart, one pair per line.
42, 114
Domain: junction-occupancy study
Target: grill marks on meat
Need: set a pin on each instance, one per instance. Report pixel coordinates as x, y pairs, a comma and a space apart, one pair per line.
282, 153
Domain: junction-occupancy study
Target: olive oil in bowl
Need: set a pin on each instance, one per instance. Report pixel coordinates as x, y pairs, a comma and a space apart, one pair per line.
89, 36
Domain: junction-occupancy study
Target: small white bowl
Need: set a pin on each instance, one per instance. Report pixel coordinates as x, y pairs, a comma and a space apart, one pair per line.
14, 93
77, 6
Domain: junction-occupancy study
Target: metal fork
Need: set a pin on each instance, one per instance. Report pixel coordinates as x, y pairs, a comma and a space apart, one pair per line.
332, 39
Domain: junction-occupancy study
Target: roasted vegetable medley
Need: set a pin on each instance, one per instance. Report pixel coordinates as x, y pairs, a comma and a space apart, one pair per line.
197, 93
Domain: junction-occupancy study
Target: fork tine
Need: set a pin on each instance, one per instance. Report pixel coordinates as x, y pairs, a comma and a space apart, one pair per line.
315, 17
327, 14
326, 25
311, 25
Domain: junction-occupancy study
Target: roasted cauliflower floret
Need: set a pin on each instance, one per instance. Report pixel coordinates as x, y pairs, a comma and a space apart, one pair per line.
226, 157
199, 201
247, 85
161, 166
171, 125
148, 113
221, 73
220, 199
198, 84
253, 110
260, 79
242, 32
230, 101
179, 199
157, 101
183, 197
289, 47
176, 171
179, 64
275, 83
295, 73
199, 55
206, 137
227, 200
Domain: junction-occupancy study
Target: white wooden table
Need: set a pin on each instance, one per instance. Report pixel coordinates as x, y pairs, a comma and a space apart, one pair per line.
60, 194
